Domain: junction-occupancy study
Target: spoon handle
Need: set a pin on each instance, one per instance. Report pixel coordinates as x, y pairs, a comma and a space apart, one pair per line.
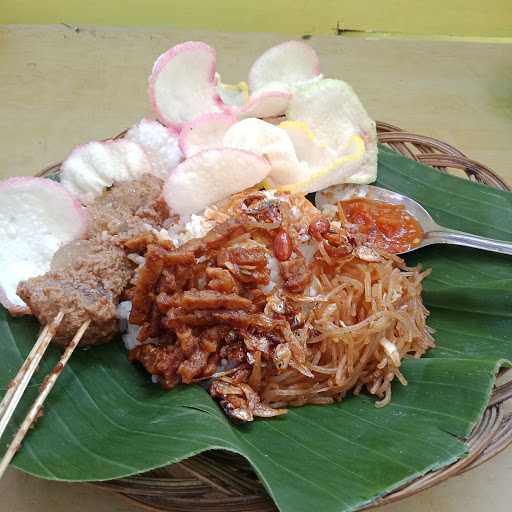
451, 236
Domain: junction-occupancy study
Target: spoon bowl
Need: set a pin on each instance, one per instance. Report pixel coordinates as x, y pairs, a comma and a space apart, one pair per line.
433, 233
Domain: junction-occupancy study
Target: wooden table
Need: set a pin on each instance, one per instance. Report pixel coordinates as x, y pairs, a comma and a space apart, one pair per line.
60, 87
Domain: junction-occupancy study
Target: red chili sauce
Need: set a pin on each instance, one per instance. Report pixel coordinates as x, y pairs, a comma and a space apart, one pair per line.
387, 226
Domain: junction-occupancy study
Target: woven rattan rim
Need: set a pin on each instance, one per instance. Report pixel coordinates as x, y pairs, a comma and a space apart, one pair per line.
223, 482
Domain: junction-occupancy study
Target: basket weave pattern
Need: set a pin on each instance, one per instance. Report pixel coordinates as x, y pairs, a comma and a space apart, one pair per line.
223, 482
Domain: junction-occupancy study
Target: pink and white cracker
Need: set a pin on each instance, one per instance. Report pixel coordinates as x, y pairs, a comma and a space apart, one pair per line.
268, 102
183, 85
334, 114
332, 110
37, 217
210, 176
268, 141
93, 167
290, 63
205, 132
160, 144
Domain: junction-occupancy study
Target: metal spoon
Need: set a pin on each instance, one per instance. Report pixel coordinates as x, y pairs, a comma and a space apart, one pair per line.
433, 233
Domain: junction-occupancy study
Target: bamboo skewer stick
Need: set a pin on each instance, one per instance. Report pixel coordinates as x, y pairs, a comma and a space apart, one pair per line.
45, 390
19, 383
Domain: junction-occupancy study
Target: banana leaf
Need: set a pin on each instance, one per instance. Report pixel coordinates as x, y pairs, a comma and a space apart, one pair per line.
105, 419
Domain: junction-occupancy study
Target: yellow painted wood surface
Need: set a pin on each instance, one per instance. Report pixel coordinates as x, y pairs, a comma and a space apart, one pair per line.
462, 18
59, 88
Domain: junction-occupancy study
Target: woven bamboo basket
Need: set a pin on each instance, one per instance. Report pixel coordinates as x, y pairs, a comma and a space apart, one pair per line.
219, 481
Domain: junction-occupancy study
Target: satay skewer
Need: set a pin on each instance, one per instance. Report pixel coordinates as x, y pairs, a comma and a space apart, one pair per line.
18, 385
22, 379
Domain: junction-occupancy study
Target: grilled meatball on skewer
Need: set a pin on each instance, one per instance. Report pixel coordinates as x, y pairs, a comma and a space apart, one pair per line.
88, 277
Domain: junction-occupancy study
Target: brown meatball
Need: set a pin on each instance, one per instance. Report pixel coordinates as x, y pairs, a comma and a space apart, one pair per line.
88, 286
